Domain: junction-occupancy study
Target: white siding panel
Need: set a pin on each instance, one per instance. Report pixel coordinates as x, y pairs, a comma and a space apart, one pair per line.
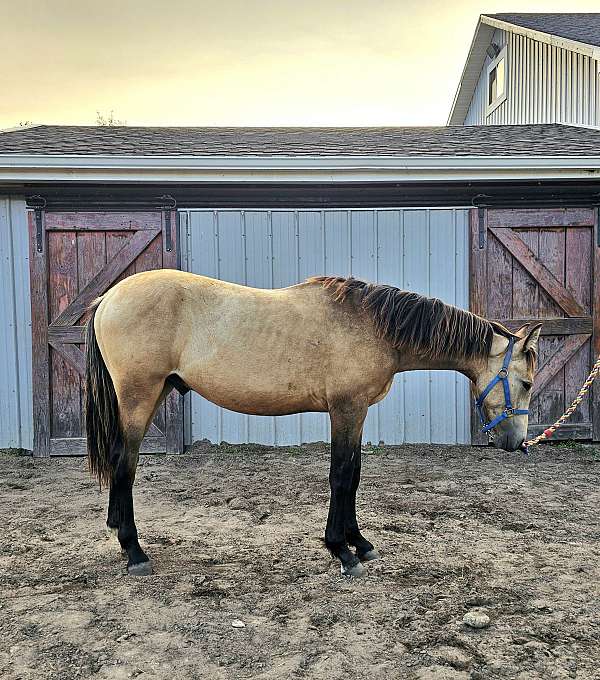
442, 270
314, 427
364, 266
390, 264
285, 273
423, 250
16, 427
545, 84
417, 408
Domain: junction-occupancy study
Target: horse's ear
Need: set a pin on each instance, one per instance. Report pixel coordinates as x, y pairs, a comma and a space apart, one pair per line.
500, 339
522, 332
531, 341
500, 329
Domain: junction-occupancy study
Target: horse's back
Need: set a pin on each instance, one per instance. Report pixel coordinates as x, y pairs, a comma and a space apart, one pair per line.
248, 349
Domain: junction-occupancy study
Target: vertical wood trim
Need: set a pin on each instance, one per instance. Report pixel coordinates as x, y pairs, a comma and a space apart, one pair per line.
477, 294
595, 397
174, 401
39, 332
174, 422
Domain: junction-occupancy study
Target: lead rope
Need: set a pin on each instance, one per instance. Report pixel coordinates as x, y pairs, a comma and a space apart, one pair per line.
546, 434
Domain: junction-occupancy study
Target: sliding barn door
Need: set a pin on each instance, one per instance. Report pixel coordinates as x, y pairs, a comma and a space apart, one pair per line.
529, 265
76, 256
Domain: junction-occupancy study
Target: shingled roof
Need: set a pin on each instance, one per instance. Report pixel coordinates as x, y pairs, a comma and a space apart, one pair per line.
454, 141
580, 27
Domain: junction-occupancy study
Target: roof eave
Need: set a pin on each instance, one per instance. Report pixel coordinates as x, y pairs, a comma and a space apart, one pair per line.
470, 74
258, 169
586, 49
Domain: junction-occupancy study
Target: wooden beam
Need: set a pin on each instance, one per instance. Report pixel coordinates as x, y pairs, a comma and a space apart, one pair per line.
102, 221
595, 396
67, 334
72, 354
174, 422
106, 276
557, 361
532, 217
542, 276
77, 446
576, 325
477, 297
40, 376
567, 431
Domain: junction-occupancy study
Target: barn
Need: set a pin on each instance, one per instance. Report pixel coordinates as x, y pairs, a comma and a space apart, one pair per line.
499, 216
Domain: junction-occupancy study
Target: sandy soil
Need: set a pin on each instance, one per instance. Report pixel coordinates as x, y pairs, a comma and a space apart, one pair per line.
234, 535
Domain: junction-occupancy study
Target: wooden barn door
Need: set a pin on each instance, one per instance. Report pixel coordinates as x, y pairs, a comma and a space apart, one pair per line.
76, 256
544, 264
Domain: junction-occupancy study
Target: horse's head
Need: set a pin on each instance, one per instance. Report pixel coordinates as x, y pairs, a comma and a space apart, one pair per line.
503, 385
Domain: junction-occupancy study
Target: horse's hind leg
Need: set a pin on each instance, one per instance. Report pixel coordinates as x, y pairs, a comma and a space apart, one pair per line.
347, 418
136, 416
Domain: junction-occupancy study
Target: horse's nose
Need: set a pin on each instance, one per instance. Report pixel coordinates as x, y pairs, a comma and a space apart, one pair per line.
509, 441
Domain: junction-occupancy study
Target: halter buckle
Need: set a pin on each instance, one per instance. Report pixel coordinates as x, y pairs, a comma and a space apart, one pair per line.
503, 373
509, 411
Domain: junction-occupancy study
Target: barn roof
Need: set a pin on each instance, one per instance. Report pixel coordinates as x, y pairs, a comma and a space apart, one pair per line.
580, 27
573, 31
455, 141
145, 155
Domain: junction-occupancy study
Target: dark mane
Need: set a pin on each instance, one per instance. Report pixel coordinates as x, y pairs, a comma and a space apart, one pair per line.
427, 326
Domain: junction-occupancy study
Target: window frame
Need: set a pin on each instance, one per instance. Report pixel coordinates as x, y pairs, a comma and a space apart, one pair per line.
490, 107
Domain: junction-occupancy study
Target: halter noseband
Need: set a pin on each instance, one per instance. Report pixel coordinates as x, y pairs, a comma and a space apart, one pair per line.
502, 376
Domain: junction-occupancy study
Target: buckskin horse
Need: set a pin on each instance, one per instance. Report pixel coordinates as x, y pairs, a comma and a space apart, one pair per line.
330, 344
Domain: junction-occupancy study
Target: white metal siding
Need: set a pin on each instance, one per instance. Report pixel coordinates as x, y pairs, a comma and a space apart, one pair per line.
16, 428
545, 84
421, 250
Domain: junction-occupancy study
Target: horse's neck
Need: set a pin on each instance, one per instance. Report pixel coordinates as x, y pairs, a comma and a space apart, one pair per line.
468, 367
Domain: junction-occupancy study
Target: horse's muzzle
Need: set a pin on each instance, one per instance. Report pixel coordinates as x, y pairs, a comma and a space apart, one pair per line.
509, 441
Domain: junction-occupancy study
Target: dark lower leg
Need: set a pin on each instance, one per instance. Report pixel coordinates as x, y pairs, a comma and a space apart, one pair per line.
364, 548
122, 513
346, 424
112, 519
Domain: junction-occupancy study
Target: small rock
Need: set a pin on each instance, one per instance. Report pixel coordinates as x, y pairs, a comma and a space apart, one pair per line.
237, 623
476, 619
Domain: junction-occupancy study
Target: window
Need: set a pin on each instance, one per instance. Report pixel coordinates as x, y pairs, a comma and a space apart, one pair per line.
496, 82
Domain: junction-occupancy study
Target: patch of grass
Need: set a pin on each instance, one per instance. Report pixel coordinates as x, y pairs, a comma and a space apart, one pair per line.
568, 444
372, 450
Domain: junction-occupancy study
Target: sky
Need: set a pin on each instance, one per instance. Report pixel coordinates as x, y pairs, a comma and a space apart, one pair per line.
239, 62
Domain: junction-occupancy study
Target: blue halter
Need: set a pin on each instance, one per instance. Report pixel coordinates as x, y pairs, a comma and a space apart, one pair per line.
502, 377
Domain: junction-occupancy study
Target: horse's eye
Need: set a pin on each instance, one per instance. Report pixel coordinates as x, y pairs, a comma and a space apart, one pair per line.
527, 385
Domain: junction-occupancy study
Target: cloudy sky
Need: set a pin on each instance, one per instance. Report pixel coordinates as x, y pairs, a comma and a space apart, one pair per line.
239, 62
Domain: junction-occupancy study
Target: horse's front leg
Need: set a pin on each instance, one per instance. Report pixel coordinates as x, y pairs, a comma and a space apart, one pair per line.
347, 418
364, 548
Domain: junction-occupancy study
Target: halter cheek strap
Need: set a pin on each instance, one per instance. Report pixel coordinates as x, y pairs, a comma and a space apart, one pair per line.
502, 377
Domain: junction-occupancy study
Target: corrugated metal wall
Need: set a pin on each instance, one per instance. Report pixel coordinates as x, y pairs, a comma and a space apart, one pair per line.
16, 428
421, 250
545, 84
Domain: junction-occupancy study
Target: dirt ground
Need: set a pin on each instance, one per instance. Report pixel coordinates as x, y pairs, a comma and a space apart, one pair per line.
234, 534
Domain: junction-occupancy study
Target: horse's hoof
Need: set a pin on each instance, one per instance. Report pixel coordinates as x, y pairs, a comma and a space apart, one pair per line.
369, 555
139, 569
355, 570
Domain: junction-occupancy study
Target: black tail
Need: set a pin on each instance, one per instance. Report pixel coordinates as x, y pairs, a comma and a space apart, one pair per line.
101, 409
